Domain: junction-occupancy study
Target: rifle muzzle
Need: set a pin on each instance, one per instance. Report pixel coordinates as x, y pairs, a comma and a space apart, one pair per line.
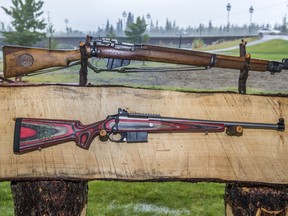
281, 124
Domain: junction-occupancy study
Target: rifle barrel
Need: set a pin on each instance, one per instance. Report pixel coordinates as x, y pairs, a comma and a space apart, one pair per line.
280, 126
158, 124
146, 52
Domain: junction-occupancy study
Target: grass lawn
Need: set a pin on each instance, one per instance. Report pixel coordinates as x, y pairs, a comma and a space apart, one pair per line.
142, 198
271, 50
225, 44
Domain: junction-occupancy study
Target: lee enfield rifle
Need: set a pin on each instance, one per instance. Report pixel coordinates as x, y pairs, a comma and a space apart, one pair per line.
33, 134
25, 60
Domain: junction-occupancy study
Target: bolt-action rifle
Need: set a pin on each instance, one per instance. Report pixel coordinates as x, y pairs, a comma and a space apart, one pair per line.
25, 60
34, 134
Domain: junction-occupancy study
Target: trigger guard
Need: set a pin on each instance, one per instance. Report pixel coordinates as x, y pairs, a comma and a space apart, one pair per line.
122, 138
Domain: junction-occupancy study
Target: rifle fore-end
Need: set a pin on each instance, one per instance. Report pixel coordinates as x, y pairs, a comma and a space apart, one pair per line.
24, 60
35, 134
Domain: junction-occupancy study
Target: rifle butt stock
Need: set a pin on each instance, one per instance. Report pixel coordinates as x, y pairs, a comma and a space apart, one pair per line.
18, 60
35, 134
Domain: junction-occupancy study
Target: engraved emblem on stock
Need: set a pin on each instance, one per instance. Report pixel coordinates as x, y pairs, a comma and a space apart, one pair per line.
25, 60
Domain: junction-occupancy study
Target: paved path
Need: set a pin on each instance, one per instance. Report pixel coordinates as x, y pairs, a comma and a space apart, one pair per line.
261, 40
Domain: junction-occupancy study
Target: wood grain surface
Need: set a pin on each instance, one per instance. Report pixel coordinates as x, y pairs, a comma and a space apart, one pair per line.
257, 156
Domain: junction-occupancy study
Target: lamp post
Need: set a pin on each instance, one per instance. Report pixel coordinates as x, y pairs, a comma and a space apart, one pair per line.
124, 14
2, 28
200, 35
228, 7
251, 9
66, 22
148, 18
49, 30
286, 24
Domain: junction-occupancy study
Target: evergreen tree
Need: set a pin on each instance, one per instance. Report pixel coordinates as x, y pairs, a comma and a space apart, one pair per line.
284, 25
168, 26
210, 26
119, 27
130, 19
52, 44
107, 27
27, 23
135, 32
111, 33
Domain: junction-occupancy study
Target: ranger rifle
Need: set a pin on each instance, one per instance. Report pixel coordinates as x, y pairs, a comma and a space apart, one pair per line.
25, 60
34, 134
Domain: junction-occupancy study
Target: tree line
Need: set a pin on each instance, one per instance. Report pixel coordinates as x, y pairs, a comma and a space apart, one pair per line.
29, 26
172, 29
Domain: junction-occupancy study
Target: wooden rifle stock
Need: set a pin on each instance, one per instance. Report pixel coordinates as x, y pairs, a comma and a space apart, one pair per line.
24, 60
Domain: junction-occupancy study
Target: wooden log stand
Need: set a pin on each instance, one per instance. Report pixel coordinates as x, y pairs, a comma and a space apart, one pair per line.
257, 156
246, 199
43, 183
50, 197
256, 200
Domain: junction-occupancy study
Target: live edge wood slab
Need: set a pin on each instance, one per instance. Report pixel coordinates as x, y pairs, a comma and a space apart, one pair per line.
259, 156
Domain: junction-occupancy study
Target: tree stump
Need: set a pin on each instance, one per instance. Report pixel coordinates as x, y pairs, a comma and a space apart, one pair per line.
50, 197
241, 200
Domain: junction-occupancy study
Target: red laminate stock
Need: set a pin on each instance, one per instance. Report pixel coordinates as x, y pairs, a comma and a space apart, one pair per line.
33, 134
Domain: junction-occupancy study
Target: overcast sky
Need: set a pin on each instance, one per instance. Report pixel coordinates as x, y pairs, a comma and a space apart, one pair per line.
88, 15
